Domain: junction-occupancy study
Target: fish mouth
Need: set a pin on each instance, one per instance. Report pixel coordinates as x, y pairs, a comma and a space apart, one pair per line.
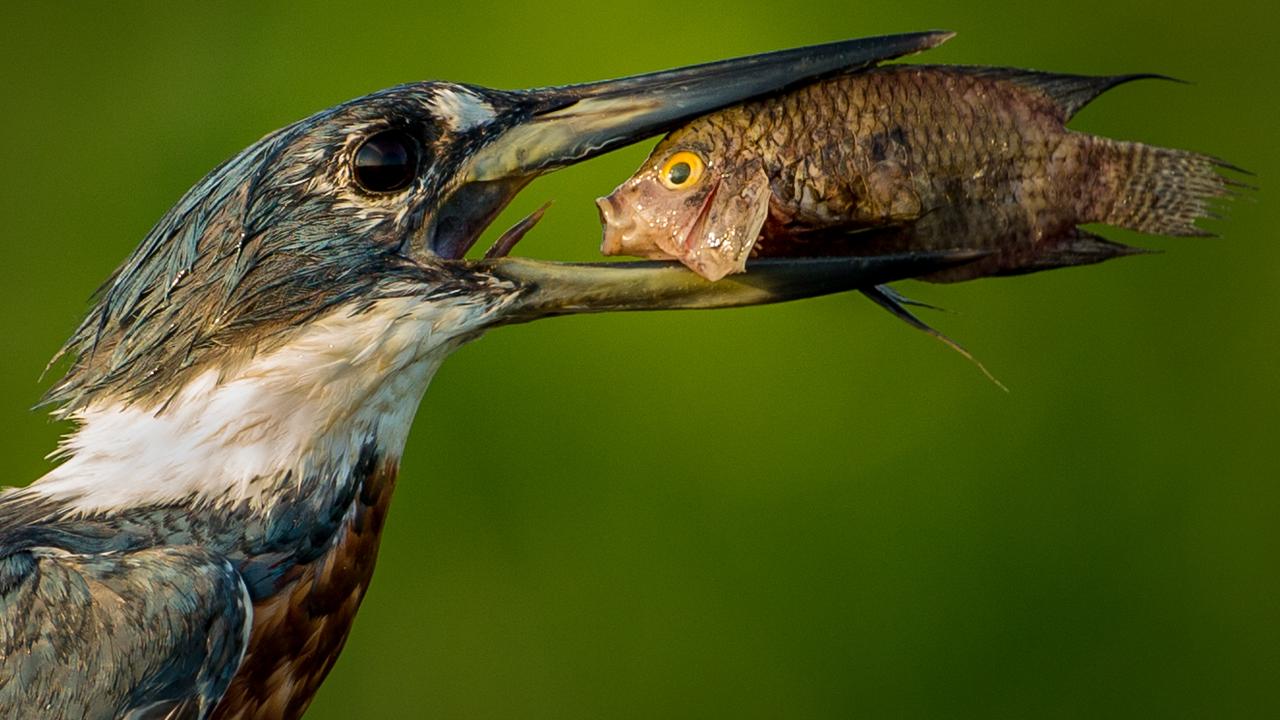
623, 234
619, 226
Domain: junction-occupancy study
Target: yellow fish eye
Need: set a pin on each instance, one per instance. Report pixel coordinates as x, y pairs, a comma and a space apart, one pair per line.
681, 170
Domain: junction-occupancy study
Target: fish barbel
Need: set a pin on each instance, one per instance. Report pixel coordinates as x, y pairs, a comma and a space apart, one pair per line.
904, 158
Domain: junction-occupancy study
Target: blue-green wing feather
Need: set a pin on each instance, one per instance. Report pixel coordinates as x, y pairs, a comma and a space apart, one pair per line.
154, 633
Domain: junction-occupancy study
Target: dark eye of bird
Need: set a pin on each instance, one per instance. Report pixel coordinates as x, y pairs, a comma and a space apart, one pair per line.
387, 161
679, 173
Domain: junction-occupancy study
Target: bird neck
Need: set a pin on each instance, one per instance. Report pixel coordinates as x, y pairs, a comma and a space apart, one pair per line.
289, 426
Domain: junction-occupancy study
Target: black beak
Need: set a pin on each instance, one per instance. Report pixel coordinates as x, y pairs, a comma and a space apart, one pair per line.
547, 289
555, 127
569, 124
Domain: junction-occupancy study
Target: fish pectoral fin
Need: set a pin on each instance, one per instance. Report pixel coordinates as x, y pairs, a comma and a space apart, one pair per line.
901, 299
893, 301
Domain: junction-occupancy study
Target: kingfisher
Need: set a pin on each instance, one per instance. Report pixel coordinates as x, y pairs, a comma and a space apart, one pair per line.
244, 383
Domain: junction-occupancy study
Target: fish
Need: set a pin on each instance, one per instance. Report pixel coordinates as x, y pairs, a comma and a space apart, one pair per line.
906, 158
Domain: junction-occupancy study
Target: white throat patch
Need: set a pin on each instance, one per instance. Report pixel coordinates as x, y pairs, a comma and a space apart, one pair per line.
303, 410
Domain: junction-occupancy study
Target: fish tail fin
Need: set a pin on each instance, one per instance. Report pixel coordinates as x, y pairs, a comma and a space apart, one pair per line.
1154, 190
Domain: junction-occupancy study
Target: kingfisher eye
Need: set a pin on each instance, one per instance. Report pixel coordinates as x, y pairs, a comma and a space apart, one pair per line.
683, 169
386, 162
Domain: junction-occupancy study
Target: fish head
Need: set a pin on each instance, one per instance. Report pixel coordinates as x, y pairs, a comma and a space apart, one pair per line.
691, 203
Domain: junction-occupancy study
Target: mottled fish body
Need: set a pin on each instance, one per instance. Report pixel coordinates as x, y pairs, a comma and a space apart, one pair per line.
904, 158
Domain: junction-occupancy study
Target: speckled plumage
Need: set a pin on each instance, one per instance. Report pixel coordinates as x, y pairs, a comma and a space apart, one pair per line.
266, 242
294, 578
175, 648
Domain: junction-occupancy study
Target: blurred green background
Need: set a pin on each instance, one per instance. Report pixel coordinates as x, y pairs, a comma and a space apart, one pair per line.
798, 511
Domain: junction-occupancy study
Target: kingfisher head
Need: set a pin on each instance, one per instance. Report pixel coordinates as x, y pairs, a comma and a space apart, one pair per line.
287, 314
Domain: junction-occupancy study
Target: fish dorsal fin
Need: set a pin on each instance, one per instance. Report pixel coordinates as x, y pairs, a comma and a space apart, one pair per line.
1069, 93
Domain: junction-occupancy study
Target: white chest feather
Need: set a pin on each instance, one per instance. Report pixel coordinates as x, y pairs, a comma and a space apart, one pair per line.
304, 410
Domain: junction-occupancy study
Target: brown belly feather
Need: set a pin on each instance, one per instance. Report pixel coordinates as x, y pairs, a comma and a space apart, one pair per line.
299, 632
